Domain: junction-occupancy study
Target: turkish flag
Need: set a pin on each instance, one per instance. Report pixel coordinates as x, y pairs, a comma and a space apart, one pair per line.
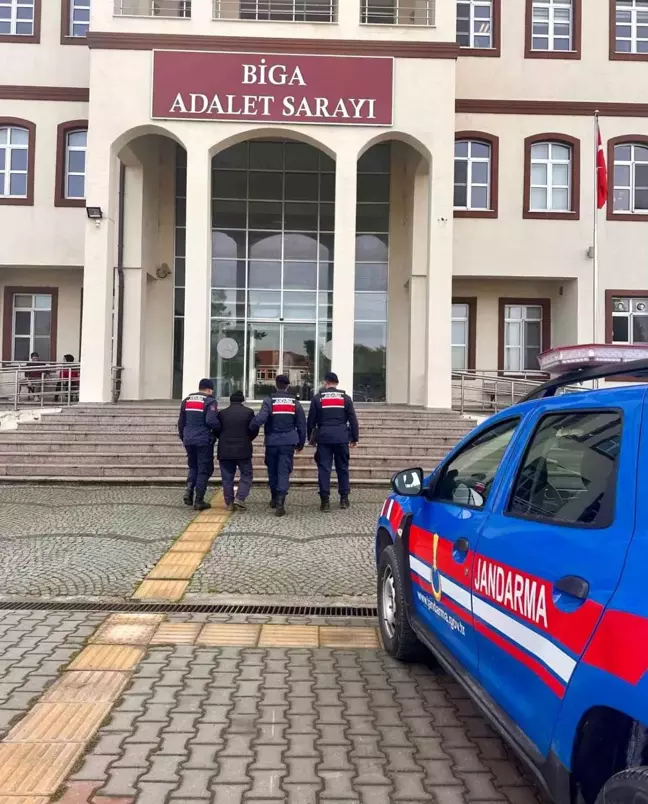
601, 173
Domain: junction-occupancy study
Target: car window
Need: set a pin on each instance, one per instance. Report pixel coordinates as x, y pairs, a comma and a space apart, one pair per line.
467, 479
568, 475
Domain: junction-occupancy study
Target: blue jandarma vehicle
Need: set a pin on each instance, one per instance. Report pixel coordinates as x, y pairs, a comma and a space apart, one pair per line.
521, 562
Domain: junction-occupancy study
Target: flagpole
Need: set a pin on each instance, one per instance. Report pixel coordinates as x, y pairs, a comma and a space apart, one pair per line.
595, 277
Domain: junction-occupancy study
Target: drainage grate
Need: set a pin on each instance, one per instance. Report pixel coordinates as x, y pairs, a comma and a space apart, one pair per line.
190, 608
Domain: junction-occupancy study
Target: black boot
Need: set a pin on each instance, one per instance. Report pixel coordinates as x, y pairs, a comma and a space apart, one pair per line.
200, 504
188, 499
280, 509
325, 504
273, 502
344, 501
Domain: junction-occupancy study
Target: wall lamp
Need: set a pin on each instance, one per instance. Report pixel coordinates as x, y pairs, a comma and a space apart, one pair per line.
95, 214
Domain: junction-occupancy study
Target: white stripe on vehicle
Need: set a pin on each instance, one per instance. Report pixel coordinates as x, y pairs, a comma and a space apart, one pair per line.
448, 587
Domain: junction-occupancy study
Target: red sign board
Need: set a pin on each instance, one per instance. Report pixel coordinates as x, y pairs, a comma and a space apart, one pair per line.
272, 88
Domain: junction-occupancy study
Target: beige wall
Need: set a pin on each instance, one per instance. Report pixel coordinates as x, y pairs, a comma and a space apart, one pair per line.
69, 284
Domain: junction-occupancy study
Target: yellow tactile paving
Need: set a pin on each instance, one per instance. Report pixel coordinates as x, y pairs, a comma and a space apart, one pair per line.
86, 686
107, 657
336, 637
59, 723
203, 538
161, 590
234, 635
171, 572
211, 528
176, 634
190, 560
285, 636
124, 633
35, 769
190, 546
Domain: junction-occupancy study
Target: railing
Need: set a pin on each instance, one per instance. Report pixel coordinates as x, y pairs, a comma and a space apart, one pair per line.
398, 12
277, 10
153, 8
39, 385
489, 391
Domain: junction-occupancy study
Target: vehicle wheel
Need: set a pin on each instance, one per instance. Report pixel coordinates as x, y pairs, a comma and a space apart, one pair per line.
627, 787
399, 639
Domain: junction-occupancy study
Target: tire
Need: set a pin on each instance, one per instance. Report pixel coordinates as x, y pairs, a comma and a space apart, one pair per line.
399, 639
627, 787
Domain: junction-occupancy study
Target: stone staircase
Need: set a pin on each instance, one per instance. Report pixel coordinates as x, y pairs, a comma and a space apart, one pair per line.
138, 443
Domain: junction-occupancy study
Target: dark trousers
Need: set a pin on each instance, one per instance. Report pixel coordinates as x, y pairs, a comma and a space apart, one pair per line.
228, 473
200, 461
325, 456
279, 461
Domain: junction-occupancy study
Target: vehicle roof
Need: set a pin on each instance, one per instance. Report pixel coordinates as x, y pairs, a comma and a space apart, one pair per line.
614, 396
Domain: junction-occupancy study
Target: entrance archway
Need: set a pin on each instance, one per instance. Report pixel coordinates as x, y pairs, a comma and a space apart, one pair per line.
273, 215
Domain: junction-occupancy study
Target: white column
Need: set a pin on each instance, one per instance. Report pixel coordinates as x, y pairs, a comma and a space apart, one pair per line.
346, 171
102, 179
438, 364
197, 321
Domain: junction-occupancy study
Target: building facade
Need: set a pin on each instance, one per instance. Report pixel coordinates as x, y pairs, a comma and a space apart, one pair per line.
394, 189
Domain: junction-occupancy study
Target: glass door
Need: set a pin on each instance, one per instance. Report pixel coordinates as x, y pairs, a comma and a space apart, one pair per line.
281, 348
298, 358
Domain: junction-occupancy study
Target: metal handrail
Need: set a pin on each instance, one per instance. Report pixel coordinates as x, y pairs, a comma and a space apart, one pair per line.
276, 10
170, 9
399, 12
490, 391
39, 384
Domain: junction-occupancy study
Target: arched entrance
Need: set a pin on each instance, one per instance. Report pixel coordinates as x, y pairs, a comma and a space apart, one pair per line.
273, 213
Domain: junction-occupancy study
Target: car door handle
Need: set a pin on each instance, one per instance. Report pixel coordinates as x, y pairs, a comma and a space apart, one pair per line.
462, 545
573, 586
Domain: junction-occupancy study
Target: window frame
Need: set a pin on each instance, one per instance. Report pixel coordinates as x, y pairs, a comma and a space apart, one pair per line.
32, 39
559, 139
506, 511
577, 35
625, 139
614, 54
545, 330
613, 294
63, 130
429, 495
487, 52
471, 303
7, 318
66, 36
493, 142
28, 200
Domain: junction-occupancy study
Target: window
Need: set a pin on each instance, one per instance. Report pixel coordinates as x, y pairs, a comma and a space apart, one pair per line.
474, 176
525, 333
75, 164
630, 178
568, 475
467, 478
17, 17
78, 21
463, 336
285, 10
630, 320
552, 25
397, 12
14, 163
631, 27
551, 168
31, 326
475, 24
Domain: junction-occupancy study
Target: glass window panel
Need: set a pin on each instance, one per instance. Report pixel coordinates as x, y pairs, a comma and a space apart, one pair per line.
513, 359
264, 246
540, 44
560, 152
22, 323
43, 347
301, 217
461, 148
373, 187
268, 186
480, 150
300, 247
460, 311
372, 218
639, 329
371, 307
459, 332
326, 247
641, 153
43, 302
376, 160
540, 150
533, 312
19, 136
327, 187
479, 198
234, 157
76, 186
299, 305
2, 158
622, 175
18, 184
459, 358
460, 196
641, 176
641, 199
300, 275
267, 155
327, 217
512, 336
538, 198
372, 248
461, 171
639, 305
181, 212
19, 159
560, 200
302, 186
560, 175
539, 175
227, 372
224, 244
531, 358
532, 333
227, 304
21, 349
264, 304
480, 172
370, 360
562, 44
23, 301
300, 156
229, 184
371, 276
229, 214
325, 276
622, 153
621, 200
264, 274
180, 272
325, 305
179, 302
228, 274
620, 329
265, 215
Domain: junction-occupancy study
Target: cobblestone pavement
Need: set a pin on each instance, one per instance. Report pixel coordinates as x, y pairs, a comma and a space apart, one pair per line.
34, 645
82, 540
230, 725
306, 554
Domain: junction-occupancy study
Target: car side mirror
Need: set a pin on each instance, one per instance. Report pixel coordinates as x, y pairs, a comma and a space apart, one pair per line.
408, 483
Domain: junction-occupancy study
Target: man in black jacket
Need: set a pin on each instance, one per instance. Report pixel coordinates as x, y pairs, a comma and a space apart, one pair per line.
198, 428
235, 450
333, 424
